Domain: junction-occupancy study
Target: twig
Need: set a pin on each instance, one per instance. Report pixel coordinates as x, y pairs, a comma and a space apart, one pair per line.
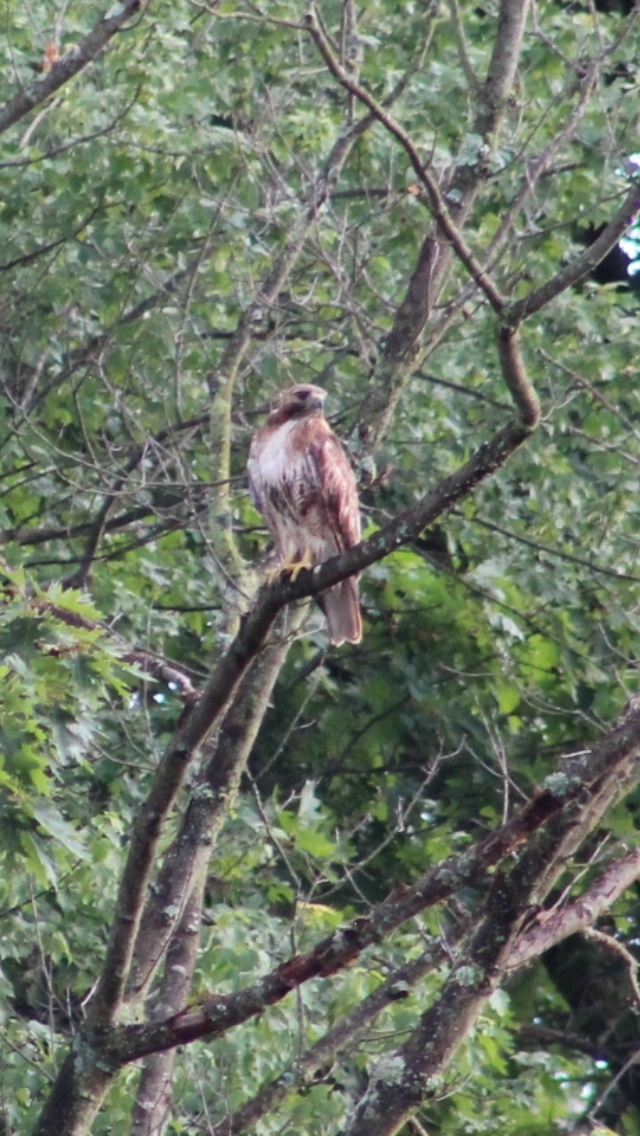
472, 79
437, 202
615, 948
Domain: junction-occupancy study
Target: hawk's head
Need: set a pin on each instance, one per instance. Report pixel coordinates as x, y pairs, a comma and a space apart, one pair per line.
301, 401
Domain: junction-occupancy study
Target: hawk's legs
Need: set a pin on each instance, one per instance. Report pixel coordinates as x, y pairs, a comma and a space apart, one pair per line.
291, 566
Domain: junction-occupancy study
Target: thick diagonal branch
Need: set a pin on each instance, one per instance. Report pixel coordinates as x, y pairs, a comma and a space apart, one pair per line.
212, 798
482, 962
564, 809
75, 60
567, 808
582, 265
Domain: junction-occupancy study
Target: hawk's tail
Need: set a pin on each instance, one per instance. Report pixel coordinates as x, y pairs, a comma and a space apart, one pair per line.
342, 609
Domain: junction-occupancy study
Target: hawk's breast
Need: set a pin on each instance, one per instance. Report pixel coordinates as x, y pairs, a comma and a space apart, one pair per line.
273, 460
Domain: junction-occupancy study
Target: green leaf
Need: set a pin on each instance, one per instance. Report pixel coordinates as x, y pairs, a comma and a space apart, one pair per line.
54, 825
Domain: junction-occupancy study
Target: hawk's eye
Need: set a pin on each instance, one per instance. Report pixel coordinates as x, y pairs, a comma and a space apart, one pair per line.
303, 395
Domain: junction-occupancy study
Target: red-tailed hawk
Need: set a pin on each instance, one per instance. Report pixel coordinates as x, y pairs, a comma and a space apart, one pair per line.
302, 483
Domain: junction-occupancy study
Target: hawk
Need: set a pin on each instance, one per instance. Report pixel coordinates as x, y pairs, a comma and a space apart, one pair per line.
302, 483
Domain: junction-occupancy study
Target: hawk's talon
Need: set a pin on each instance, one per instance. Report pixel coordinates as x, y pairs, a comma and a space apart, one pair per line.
291, 567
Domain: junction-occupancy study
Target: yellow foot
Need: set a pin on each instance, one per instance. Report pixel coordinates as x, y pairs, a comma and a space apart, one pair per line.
295, 569
292, 567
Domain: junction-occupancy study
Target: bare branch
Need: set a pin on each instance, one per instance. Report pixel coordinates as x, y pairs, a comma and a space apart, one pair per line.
573, 799
212, 798
437, 202
553, 926
516, 378
70, 64
583, 264
395, 987
475, 85
153, 1098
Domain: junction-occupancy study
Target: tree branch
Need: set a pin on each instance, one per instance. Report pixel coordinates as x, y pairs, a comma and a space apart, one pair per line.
583, 264
515, 376
69, 64
553, 926
395, 987
573, 799
153, 1098
474, 83
211, 800
436, 200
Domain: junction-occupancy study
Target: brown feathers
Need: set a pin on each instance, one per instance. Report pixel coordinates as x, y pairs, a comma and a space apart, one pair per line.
303, 484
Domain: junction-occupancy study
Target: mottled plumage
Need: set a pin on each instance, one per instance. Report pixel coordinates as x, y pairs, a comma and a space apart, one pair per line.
303, 484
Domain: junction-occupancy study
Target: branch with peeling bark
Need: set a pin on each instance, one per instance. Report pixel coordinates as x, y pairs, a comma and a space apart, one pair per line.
210, 802
170, 925
555, 814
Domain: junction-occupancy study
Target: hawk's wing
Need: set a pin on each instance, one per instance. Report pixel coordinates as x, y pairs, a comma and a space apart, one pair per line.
336, 496
339, 516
